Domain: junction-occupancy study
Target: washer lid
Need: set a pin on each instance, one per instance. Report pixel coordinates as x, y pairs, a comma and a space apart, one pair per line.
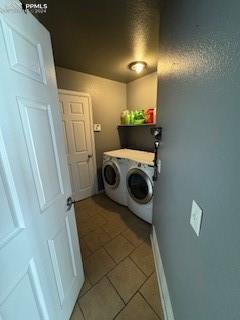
139, 186
111, 174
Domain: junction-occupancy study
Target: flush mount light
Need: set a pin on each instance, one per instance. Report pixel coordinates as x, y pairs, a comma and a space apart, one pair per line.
137, 66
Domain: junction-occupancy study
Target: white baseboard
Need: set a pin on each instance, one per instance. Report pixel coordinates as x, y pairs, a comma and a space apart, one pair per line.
162, 283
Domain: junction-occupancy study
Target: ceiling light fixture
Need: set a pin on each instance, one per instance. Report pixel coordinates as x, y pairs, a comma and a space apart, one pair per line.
137, 66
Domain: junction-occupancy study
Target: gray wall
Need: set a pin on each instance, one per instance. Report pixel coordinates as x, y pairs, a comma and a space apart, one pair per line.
198, 94
108, 100
141, 93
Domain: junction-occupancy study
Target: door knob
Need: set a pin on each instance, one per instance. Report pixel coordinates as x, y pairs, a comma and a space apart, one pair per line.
90, 156
70, 202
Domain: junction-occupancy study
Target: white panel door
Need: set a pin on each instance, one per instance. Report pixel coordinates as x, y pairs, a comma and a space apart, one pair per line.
41, 269
76, 113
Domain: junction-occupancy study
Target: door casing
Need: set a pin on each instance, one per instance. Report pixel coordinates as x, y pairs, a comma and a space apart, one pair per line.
83, 94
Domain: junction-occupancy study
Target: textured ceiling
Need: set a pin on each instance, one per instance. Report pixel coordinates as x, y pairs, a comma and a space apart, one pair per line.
102, 37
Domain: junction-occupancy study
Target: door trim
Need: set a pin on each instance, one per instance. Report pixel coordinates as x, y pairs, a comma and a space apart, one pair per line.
87, 95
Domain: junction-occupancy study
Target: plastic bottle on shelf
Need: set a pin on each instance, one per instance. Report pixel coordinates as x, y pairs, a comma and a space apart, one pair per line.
132, 116
123, 117
154, 115
127, 117
150, 115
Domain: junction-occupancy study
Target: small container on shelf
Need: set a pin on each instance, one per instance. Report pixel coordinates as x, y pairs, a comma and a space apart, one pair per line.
132, 117
125, 117
139, 121
139, 117
150, 115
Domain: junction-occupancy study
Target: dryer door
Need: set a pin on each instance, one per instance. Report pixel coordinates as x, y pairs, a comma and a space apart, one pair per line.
111, 174
139, 186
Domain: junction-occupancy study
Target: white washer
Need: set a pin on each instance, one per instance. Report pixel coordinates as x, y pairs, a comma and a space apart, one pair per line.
140, 189
114, 173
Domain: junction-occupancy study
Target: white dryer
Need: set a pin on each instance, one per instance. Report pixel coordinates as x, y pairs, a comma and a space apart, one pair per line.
114, 172
140, 189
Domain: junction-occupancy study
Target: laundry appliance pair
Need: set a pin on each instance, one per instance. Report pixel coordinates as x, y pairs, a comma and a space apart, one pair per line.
127, 176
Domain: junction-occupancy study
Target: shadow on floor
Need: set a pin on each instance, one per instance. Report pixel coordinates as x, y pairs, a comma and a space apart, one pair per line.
141, 228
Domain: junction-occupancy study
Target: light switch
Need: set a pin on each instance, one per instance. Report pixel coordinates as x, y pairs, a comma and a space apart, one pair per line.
97, 127
196, 217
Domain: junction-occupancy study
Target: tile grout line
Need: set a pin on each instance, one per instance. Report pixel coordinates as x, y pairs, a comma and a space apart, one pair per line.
136, 290
92, 252
125, 305
117, 262
132, 242
103, 246
93, 284
139, 268
121, 233
115, 289
102, 230
118, 293
107, 220
106, 275
106, 243
82, 239
115, 265
149, 305
147, 277
81, 310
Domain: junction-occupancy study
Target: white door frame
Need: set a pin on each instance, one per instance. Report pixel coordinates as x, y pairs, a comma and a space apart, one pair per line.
87, 95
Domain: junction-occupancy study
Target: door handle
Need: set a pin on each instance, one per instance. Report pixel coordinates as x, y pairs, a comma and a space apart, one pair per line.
90, 156
70, 202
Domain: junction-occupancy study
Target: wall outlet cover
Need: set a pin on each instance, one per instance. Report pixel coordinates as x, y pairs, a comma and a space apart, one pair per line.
196, 217
97, 127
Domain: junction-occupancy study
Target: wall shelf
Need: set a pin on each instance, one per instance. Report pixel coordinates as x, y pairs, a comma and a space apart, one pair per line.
137, 125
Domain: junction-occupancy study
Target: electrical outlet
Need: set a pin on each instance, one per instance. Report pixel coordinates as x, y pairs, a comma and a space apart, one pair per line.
196, 217
97, 127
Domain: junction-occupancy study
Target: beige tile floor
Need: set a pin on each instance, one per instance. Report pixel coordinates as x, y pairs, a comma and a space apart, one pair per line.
119, 269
